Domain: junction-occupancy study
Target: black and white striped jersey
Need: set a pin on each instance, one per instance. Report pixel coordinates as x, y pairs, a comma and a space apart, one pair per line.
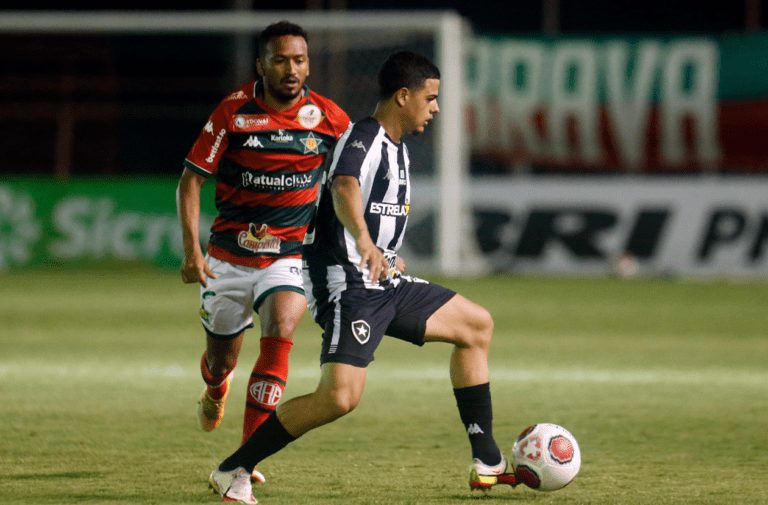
382, 167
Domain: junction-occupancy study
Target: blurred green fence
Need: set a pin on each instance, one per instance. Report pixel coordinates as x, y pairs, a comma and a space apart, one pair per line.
51, 222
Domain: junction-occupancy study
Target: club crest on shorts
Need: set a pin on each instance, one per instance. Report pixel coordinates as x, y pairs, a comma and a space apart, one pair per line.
361, 331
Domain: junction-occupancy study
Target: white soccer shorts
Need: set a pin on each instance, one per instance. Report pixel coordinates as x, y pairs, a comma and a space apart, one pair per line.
228, 303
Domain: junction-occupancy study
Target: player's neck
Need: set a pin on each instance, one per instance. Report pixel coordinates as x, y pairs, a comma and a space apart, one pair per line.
279, 105
388, 118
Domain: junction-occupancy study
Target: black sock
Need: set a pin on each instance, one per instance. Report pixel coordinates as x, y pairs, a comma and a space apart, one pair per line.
268, 438
474, 404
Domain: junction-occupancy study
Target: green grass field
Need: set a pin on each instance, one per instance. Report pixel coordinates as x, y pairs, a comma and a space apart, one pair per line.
664, 384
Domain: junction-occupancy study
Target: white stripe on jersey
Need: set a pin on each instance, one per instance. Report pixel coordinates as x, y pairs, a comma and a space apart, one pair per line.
388, 224
407, 160
335, 280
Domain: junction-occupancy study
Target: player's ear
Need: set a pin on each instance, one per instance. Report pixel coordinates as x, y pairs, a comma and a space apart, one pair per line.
259, 68
401, 96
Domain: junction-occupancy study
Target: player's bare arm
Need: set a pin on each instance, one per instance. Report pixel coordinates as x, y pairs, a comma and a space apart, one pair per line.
193, 267
347, 201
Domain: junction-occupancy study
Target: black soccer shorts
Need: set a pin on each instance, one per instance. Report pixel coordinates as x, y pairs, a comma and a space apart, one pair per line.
361, 318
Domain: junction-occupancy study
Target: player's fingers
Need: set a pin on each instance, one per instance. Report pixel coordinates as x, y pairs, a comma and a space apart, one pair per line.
366, 261
384, 269
186, 277
209, 271
373, 269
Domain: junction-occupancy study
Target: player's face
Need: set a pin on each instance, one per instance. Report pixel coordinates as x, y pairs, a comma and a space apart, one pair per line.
422, 105
284, 67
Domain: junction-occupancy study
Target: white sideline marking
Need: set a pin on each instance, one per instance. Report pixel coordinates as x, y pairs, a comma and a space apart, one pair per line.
126, 370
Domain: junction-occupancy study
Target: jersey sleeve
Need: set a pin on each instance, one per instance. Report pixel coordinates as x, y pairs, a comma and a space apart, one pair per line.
204, 156
339, 119
350, 154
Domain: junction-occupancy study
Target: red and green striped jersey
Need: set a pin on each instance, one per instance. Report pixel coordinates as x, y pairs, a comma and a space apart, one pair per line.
267, 165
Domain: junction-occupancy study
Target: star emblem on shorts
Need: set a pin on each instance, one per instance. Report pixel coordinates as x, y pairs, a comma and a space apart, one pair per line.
311, 143
361, 331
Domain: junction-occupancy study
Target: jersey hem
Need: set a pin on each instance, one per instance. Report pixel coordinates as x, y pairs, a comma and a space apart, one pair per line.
246, 261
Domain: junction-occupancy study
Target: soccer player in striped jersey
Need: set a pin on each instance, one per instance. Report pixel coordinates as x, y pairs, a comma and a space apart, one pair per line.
358, 293
264, 146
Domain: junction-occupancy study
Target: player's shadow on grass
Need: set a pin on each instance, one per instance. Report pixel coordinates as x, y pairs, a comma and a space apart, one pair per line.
506, 495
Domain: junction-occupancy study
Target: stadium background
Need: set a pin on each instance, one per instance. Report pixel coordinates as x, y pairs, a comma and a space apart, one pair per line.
643, 121
628, 297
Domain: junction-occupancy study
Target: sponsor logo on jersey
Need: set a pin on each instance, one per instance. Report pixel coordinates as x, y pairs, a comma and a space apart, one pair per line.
357, 144
216, 145
390, 209
278, 182
237, 95
361, 330
253, 142
281, 137
258, 239
309, 116
209, 127
311, 143
249, 122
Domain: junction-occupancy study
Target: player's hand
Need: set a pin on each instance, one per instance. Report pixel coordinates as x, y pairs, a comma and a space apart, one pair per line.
195, 269
400, 265
372, 258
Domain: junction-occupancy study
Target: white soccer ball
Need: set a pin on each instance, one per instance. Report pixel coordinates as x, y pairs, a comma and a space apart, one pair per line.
546, 457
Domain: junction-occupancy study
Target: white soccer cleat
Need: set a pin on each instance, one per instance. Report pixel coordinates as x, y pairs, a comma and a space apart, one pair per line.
484, 477
233, 486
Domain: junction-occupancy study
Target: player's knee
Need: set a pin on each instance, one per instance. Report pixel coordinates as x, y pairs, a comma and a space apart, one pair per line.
480, 329
282, 327
284, 330
486, 323
341, 403
338, 406
221, 365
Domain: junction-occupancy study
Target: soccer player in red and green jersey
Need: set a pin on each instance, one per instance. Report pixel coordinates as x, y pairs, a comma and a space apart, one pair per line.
264, 145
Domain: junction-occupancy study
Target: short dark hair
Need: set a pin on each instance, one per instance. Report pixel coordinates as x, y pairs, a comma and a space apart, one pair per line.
279, 29
405, 69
